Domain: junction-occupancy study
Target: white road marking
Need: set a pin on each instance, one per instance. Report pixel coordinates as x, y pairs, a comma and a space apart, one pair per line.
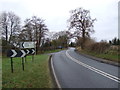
58, 84
14, 53
94, 69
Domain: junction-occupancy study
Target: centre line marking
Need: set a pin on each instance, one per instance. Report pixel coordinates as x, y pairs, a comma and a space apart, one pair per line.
94, 69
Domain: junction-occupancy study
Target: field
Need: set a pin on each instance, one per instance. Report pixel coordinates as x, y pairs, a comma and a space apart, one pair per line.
35, 75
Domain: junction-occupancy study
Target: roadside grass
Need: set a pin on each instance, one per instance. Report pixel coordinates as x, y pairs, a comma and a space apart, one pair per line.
35, 75
109, 56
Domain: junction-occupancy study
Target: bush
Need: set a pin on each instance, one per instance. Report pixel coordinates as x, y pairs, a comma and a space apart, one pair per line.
98, 47
5, 46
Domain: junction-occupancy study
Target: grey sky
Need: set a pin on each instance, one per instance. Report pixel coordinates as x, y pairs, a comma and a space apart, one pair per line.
56, 13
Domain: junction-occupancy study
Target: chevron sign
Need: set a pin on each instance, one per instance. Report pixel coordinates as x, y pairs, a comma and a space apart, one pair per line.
16, 53
20, 53
30, 51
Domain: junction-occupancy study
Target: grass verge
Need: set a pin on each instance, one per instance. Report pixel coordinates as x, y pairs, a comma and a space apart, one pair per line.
35, 75
108, 56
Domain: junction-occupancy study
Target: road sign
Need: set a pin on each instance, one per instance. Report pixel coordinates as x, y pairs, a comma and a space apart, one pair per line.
16, 53
30, 51
20, 53
27, 45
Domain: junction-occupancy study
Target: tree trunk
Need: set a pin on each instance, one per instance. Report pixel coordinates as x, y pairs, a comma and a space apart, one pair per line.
83, 39
6, 35
11, 32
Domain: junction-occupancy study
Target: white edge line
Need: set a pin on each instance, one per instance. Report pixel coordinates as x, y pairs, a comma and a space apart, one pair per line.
58, 84
95, 70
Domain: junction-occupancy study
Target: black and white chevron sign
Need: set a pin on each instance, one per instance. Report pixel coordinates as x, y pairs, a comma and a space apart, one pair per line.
16, 53
30, 51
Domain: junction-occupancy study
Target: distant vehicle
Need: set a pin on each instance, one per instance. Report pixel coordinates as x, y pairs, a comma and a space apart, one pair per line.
60, 47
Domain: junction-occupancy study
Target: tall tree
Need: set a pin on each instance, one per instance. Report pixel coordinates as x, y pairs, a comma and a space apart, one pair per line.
4, 25
40, 30
10, 24
14, 24
34, 30
28, 30
81, 22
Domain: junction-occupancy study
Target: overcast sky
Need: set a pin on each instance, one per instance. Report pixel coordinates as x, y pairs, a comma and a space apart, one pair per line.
56, 13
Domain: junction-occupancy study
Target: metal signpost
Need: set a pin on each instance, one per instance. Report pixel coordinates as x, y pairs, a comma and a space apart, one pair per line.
16, 53
27, 49
30, 52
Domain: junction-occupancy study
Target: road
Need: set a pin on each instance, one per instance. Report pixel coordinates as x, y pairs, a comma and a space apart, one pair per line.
72, 70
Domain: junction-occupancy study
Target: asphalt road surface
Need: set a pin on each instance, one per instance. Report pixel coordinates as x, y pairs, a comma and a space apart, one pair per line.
72, 70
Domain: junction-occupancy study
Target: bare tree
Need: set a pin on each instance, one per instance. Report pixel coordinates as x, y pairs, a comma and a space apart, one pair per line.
10, 24
80, 21
28, 30
34, 30
61, 38
4, 25
14, 25
40, 30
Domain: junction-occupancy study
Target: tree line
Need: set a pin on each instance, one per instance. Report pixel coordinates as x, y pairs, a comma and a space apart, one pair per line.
80, 27
34, 29
115, 41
